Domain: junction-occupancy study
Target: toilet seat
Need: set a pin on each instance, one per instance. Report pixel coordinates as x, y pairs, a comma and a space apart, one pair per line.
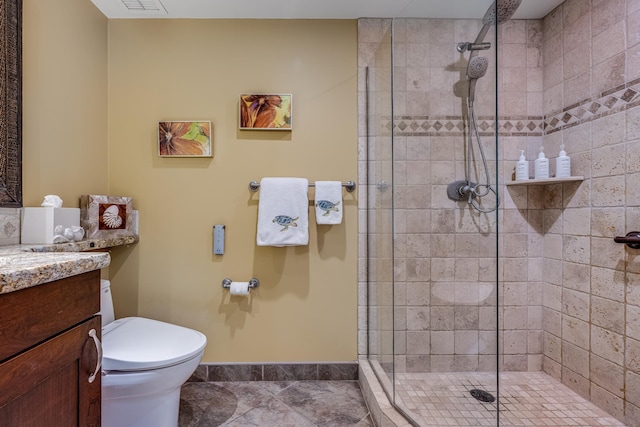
137, 344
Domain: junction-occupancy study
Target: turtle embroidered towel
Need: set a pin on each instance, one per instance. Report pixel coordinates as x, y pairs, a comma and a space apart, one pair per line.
328, 202
283, 212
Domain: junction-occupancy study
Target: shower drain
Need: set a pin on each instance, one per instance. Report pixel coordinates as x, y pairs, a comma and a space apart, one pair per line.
483, 396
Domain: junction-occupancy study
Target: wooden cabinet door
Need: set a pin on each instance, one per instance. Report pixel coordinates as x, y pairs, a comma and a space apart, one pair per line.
48, 386
32, 315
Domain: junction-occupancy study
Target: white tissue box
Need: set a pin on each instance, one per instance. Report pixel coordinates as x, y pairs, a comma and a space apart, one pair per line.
38, 223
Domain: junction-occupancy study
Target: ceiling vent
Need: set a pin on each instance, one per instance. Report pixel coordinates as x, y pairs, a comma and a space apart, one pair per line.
144, 7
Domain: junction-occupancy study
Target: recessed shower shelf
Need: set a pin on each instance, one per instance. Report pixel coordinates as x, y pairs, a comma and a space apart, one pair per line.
547, 181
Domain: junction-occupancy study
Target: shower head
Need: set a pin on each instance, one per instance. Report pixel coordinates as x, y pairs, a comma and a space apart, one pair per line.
500, 13
497, 13
477, 67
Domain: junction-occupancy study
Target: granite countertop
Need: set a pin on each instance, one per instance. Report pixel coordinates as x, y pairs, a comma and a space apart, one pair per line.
83, 245
24, 266
26, 269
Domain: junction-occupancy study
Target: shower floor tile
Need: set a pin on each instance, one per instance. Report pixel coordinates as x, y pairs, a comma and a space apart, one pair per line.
526, 399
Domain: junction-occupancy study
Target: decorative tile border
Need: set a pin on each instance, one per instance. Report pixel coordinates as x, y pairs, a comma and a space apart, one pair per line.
455, 126
613, 101
346, 371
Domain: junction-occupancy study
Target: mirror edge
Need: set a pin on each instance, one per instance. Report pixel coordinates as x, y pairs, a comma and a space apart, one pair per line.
11, 104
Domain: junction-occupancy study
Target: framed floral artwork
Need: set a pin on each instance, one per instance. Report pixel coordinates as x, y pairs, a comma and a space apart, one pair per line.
184, 139
265, 111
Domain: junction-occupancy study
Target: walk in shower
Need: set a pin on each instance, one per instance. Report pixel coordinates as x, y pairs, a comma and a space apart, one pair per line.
472, 290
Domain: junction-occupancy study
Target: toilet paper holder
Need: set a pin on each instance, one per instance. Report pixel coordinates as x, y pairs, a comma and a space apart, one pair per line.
253, 283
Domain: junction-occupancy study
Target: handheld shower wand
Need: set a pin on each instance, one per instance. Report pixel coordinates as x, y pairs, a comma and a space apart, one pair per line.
477, 68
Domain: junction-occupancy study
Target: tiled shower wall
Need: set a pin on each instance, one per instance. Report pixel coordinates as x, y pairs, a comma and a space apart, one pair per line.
520, 101
444, 258
570, 296
591, 52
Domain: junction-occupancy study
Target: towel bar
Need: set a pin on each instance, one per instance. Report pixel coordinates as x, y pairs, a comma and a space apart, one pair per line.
350, 186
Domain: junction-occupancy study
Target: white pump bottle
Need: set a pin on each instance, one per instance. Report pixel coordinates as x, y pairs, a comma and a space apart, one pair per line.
541, 166
563, 164
522, 168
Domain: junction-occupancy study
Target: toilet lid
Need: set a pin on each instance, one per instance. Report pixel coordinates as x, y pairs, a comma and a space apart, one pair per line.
136, 343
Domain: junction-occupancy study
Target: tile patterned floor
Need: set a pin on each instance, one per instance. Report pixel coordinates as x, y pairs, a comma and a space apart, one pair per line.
526, 399
273, 404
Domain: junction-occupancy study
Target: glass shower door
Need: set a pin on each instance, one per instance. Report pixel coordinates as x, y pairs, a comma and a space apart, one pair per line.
432, 260
379, 233
444, 251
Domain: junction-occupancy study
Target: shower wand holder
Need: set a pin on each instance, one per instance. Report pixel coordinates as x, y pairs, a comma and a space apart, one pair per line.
468, 46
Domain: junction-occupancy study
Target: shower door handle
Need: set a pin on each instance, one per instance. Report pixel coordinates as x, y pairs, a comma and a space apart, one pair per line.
632, 239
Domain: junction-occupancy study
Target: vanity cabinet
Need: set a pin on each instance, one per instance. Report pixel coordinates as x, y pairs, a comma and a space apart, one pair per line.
48, 354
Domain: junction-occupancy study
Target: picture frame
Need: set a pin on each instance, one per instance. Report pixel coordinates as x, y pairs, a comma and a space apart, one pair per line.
185, 138
265, 111
106, 216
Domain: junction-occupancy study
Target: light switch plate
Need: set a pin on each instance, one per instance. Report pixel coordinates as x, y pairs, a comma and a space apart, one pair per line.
218, 239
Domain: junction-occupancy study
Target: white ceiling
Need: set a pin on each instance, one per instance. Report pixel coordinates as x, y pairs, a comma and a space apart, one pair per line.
322, 9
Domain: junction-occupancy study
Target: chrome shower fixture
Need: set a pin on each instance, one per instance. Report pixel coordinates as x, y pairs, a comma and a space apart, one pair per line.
462, 191
467, 190
477, 68
497, 13
504, 10
466, 46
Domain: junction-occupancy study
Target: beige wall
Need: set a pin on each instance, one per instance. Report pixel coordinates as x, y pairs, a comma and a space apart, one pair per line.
305, 308
64, 100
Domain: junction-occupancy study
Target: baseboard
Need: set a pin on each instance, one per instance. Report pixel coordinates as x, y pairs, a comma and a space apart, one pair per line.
338, 371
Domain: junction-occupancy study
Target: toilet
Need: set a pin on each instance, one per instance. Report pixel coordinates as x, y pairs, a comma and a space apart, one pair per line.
144, 364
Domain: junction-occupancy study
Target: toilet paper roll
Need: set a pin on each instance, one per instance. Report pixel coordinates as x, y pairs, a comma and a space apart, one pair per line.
239, 288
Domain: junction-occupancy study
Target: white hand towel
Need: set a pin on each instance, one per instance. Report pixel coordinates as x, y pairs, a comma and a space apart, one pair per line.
283, 212
328, 202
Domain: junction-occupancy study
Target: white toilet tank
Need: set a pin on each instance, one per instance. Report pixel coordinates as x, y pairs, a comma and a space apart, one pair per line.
106, 303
